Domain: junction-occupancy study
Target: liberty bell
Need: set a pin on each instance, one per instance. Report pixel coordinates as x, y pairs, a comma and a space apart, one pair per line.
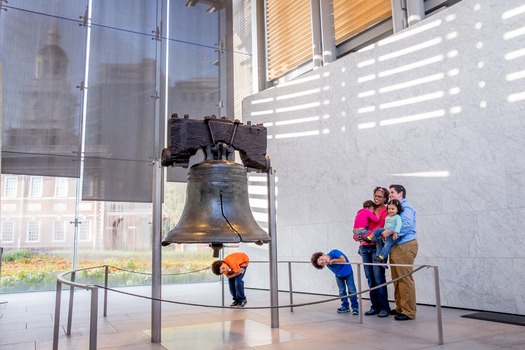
217, 209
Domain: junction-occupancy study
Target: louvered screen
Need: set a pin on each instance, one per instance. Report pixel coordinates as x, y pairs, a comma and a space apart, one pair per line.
354, 16
289, 32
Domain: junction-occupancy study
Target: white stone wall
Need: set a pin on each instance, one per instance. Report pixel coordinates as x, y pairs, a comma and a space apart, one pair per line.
438, 108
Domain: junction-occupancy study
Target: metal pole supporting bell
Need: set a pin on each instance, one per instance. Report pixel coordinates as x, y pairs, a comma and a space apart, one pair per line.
217, 207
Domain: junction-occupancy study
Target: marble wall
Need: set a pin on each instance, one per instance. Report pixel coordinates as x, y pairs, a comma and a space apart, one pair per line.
438, 108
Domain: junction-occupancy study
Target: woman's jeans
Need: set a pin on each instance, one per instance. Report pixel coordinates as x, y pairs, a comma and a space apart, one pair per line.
375, 276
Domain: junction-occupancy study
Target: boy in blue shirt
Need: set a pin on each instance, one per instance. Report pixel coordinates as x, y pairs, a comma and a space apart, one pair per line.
337, 262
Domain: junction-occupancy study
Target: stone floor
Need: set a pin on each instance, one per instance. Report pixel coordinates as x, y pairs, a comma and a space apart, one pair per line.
27, 320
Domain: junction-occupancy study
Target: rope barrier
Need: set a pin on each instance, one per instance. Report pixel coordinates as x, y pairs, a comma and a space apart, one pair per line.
263, 307
164, 274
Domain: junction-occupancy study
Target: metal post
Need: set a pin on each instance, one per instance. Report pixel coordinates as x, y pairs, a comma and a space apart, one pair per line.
71, 299
415, 11
1, 252
328, 31
106, 285
359, 295
221, 256
259, 53
57, 315
93, 319
290, 284
317, 46
399, 15
438, 306
272, 228
156, 264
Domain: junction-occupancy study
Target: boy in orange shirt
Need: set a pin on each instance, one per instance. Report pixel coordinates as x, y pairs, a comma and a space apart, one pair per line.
234, 267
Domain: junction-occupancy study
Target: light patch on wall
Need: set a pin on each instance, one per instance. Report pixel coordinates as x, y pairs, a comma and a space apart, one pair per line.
455, 110
439, 173
299, 94
406, 34
453, 72
297, 134
411, 49
297, 107
514, 12
366, 78
514, 54
297, 121
262, 100
515, 76
367, 48
452, 54
516, 97
258, 203
514, 33
366, 109
257, 190
412, 100
451, 35
368, 125
454, 91
407, 67
326, 131
366, 63
366, 93
268, 111
300, 80
411, 83
450, 18
413, 118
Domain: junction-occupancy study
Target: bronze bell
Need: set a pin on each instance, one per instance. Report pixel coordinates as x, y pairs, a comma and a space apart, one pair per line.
217, 208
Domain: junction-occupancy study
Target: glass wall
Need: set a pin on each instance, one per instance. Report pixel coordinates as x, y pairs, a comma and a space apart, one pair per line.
86, 88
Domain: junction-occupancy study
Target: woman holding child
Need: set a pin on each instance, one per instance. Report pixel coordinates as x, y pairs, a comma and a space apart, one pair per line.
376, 274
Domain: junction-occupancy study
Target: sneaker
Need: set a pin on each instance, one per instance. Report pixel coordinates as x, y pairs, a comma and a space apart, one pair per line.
242, 303
235, 303
383, 313
379, 259
343, 310
366, 238
355, 312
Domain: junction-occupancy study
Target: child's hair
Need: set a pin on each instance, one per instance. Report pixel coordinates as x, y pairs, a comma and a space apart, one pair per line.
397, 204
368, 204
316, 256
216, 266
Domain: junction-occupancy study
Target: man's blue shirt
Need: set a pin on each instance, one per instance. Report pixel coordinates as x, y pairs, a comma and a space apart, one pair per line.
408, 229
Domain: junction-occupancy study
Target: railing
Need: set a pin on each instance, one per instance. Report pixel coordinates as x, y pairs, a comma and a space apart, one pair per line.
93, 288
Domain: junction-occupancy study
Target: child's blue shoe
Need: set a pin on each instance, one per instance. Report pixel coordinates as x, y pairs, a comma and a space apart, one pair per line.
343, 310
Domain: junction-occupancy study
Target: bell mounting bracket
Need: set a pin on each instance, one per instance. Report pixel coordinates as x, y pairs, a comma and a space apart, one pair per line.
218, 138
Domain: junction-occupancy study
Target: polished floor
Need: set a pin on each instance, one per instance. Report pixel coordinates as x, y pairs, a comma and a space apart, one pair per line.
27, 319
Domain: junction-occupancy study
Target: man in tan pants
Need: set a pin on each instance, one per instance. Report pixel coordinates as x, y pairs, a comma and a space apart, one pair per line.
403, 252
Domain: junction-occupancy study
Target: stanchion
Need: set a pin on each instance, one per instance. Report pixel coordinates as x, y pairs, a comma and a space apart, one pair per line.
1, 252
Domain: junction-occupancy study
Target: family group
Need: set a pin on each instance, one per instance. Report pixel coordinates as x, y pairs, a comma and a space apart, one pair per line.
385, 228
